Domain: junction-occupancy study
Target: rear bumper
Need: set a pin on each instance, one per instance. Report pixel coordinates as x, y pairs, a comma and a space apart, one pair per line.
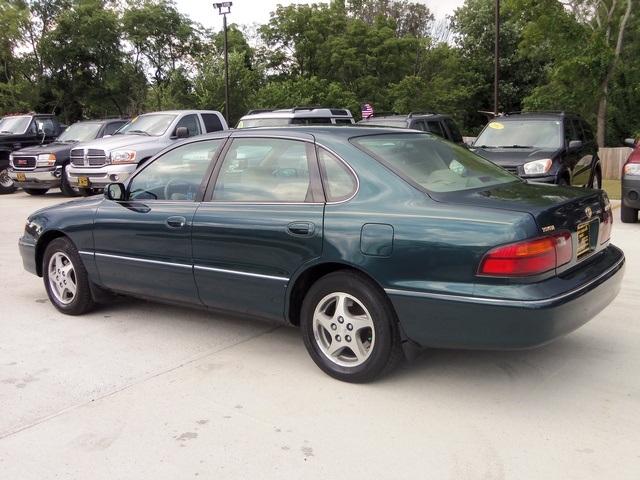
449, 321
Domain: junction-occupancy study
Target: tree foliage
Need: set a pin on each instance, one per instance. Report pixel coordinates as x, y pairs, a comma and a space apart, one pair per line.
88, 58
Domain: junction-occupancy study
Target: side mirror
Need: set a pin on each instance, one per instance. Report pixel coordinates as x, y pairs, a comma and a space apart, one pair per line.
182, 132
575, 146
115, 192
630, 142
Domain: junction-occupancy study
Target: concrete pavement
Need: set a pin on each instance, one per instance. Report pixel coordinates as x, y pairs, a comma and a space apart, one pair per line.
137, 390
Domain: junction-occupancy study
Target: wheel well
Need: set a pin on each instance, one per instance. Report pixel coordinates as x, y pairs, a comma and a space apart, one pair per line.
304, 282
42, 245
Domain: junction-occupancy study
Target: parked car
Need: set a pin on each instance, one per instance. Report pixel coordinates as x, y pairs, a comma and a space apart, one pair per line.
630, 183
43, 167
374, 241
436, 123
19, 131
97, 163
296, 116
547, 147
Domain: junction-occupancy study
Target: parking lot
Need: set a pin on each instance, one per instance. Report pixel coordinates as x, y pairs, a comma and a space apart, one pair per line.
137, 390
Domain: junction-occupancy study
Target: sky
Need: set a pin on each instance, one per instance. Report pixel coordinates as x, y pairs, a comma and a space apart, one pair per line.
247, 12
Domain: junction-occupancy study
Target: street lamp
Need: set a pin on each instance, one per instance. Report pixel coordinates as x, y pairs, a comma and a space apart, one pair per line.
223, 9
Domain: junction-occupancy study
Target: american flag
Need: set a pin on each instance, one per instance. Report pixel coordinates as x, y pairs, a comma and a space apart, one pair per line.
367, 110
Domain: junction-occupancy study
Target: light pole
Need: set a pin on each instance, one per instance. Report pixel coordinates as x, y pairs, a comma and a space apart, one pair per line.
496, 74
223, 9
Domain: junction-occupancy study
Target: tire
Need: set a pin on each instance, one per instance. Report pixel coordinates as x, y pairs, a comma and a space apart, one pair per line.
628, 214
66, 279
597, 180
350, 328
86, 192
66, 189
36, 191
6, 184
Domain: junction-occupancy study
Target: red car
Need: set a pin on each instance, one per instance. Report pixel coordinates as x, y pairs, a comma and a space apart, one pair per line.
631, 184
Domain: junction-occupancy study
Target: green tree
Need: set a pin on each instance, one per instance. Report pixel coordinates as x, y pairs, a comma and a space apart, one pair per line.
162, 41
81, 56
584, 44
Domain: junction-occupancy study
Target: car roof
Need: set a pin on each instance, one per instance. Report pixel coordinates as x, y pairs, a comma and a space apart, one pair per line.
309, 132
299, 112
534, 116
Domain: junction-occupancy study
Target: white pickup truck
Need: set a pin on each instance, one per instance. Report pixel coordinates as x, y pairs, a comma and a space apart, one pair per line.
97, 163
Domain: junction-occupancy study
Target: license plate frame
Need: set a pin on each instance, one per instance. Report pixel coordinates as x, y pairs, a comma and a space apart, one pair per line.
584, 240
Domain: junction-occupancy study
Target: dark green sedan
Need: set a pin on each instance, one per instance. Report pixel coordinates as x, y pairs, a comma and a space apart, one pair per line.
376, 242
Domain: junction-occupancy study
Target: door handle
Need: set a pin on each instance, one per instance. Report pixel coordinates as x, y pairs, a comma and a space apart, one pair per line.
304, 229
176, 222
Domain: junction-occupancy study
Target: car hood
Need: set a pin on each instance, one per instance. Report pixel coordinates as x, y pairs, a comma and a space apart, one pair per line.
554, 207
515, 156
120, 141
55, 147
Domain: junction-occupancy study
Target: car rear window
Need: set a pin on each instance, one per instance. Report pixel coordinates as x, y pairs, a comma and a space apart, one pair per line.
433, 164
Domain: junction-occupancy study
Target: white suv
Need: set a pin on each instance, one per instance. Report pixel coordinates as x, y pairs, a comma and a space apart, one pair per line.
296, 116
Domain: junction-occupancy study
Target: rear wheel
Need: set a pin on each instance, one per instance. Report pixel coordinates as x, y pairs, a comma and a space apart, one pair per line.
36, 191
628, 214
349, 327
66, 279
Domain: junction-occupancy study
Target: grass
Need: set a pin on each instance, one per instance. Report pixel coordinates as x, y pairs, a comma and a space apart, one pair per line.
612, 187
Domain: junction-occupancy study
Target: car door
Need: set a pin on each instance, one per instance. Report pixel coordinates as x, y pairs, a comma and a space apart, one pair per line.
143, 244
264, 221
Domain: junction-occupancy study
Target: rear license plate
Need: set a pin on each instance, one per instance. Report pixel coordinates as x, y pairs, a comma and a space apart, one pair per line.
83, 181
584, 243
22, 177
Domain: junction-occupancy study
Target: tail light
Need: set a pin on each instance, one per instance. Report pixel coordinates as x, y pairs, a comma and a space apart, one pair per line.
528, 258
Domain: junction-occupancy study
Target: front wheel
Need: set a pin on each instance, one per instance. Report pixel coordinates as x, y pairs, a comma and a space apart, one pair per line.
6, 184
66, 279
597, 180
349, 327
66, 189
36, 191
628, 214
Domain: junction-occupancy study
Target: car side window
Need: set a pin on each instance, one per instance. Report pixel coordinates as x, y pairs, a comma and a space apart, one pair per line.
338, 180
435, 128
176, 175
192, 124
419, 126
569, 134
456, 136
264, 170
112, 128
212, 122
577, 127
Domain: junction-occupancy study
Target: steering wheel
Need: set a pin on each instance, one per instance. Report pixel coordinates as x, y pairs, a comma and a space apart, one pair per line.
175, 185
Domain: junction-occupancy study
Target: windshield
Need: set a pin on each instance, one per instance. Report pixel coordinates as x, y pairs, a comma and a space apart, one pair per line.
433, 164
521, 133
80, 132
14, 124
153, 124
